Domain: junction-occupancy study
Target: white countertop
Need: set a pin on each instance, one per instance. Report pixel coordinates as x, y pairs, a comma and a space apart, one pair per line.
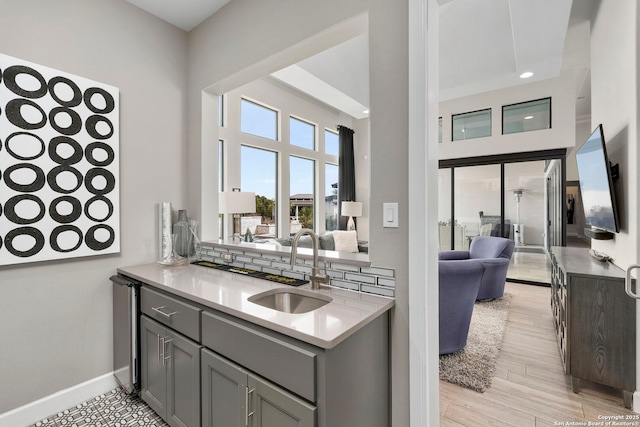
228, 292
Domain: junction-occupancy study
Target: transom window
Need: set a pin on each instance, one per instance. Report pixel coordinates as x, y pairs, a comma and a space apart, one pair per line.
302, 134
258, 120
475, 124
331, 142
526, 116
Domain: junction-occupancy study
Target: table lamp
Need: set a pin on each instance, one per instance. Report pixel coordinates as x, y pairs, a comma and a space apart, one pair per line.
351, 209
236, 202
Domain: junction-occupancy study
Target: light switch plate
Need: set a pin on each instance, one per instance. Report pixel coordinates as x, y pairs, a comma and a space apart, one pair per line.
390, 215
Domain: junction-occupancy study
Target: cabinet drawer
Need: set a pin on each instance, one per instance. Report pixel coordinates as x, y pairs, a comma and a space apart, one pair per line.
178, 315
287, 365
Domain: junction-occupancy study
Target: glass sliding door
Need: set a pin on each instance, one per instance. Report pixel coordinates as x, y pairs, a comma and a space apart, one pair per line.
477, 198
445, 187
524, 200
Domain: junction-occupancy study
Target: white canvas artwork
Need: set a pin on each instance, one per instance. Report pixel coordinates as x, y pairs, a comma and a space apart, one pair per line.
59, 164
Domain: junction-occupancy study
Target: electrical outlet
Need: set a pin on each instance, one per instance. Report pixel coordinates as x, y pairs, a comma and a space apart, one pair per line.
227, 257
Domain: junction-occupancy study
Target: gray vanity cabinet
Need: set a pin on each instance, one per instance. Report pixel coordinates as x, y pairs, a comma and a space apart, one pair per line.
201, 366
170, 374
233, 396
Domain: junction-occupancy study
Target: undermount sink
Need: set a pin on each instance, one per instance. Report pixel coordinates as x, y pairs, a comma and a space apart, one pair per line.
290, 300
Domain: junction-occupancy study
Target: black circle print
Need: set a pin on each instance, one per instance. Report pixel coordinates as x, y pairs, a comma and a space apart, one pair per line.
24, 231
52, 179
21, 149
37, 183
74, 158
10, 82
92, 123
76, 209
89, 95
96, 244
74, 127
11, 214
13, 110
91, 158
58, 81
94, 204
110, 181
53, 238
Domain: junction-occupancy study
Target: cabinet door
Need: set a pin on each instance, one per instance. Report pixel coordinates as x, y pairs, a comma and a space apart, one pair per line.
274, 407
153, 375
182, 361
224, 392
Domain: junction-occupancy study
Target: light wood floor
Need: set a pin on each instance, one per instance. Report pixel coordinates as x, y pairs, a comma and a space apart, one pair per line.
529, 388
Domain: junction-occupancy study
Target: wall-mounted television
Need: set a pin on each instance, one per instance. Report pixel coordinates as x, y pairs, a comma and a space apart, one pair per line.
596, 184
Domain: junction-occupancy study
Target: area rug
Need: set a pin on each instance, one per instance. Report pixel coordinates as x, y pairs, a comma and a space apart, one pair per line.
474, 366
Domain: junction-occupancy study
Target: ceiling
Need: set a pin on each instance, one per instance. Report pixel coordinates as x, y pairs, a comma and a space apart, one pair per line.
484, 45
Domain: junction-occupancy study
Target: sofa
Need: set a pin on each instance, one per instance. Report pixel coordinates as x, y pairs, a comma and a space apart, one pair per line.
494, 254
326, 241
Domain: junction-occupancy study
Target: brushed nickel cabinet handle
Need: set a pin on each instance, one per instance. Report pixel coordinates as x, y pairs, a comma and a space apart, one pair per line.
628, 281
247, 405
159, 311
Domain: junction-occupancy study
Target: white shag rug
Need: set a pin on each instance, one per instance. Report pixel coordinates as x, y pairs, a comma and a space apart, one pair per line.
473, 367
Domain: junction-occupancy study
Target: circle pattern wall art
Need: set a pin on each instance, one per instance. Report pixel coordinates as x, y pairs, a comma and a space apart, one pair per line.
59, 164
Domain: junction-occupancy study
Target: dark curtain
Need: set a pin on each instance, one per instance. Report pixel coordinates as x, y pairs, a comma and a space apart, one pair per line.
346, 173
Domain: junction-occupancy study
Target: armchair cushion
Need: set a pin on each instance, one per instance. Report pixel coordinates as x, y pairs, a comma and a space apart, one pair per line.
453, 255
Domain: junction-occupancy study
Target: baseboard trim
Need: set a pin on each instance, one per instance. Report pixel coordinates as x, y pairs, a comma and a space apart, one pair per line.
35, 411
635, 405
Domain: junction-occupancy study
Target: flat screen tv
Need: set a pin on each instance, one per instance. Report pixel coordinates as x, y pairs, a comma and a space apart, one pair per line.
596, 183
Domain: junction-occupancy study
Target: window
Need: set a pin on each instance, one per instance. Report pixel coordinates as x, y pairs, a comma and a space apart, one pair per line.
475, 124
258, 120
221, 111
258, 174
526, 116
330, 197
331, 142
302, 134
302, 188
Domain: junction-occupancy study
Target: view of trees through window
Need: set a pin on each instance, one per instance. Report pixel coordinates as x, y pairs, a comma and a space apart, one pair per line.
261, 165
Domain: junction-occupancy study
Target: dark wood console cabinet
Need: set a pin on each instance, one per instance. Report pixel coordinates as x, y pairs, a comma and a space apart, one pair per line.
595, 320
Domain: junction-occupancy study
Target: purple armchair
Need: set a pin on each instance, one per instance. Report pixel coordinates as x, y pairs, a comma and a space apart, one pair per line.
494, 254
459, 282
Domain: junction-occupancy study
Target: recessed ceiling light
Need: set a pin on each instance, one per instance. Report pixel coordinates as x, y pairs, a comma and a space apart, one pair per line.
526, 75
528, 117
365, 111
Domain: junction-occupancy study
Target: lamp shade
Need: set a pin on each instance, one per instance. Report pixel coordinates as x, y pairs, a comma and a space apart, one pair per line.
351, 209
231, 202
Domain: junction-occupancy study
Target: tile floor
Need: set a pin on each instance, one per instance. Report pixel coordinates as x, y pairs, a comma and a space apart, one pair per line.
530, 266
112, 409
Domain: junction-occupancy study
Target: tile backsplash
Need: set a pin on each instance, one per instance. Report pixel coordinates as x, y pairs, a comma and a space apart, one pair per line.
372, 280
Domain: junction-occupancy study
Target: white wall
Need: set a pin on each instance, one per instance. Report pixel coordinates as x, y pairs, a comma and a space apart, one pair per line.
614, 103
615, 76
247, 39
56, 317
561, 134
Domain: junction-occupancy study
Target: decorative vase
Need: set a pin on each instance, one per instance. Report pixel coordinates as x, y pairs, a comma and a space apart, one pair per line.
181, 229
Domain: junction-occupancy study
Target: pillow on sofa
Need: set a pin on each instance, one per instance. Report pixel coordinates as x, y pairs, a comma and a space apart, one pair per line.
326, 241
345, 241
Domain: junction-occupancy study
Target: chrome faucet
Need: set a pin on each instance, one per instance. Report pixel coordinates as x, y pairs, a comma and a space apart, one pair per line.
316, 278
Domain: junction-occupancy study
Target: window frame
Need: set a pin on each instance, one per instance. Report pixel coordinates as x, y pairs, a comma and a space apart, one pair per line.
453, 119
549, 111
277, 112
